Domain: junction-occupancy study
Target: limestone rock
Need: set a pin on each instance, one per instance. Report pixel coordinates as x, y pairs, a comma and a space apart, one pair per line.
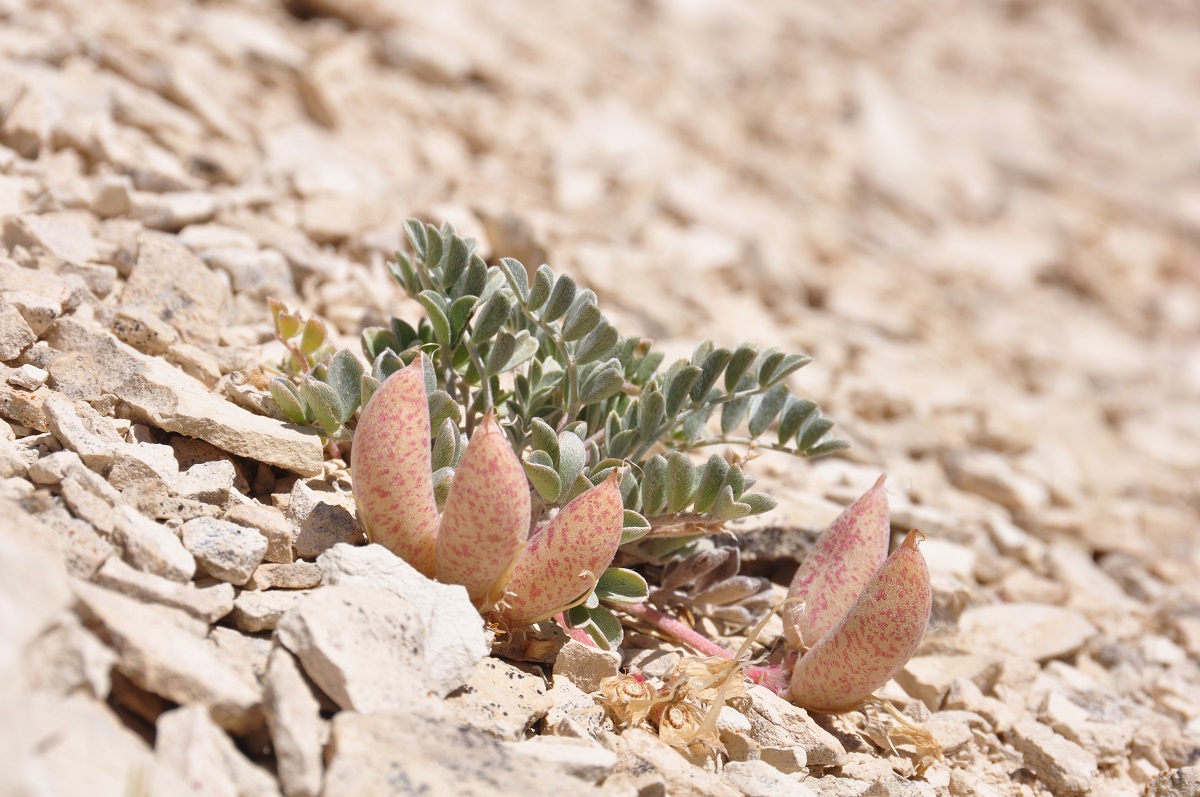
777, 725
586, 666
760, 779
209, 603
151, 547
992, 476
292, 575
33, 591
586, 760
189, 742
142, 329
69, 659
15, 334
156, 651
262, 611
175, 285
1064, 766
271, 523
501, 700
298, 733
373, 753
66, 424
1030, 630
370, 649
322, 517
929, 678
647, 765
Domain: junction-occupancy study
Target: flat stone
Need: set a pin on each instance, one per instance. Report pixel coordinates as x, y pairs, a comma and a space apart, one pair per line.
225, 550
953, 729
453, 630
151, 547
262, 611
1092, 591
586, 666
378, 753
172, 211
586, 760
929, 678
190, 743
156, 651
293, 575
1065, 767
78, 748
369, 649
250, 652
298, 733
776, 724
14, 463
195, 362
992, 476
574, 713
142, 329
37, 309
85, 501
69, 659
179, 288
209, 603
322, 518
1109, 741
166, 398
760, 779
27, 377
23, 406
66, 235
66, 424
143, 462
33, 588
255, 273
271, 523
1029, 630
501, 700
15, 334
210, 482
111, 195
647, 765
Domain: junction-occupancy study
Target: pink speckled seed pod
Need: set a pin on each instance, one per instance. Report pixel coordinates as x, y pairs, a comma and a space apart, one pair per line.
391, 469
486, 518
873, 641
845, 557
554, 567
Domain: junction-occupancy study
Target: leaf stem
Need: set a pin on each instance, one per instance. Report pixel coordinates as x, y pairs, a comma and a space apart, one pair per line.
669, 625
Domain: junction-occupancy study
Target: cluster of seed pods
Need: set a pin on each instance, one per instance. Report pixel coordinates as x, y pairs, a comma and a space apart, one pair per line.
855, 613
482, 537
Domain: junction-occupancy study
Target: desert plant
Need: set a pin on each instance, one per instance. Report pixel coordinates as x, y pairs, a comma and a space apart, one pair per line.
576, 400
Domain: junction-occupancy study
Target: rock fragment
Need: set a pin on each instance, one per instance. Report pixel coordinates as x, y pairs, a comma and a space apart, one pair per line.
271, 523
586, 666
151, 547
262, 611
760, 779
322, 517
15, 334
209, 603
175, 285
992, 476
778, 726
293, 575
1064, 766
1029, 630
189, 742
298, 733
586, 760
501, 700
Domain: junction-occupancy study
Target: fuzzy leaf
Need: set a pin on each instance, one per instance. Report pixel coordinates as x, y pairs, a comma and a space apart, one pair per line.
654, 485
873, 641
442, 406
619, 585
765, 408
580, 486
457, 258
489, 320
726, 508
814, 428
518, 278
571, 456
444, 444
739, 364
543, 281
539, 469
827, 447
794, 414
681, 482
391, 468
313, 336
599, 623
732, 413
377, 339
844, 558
345, 377
653, 414
565, 557
599, 342
442, 479
560, 299
502, 350
603, 383
438, 312
582, 318
711, 368
287, 398
486, 519
474, 282
460, 314
434, 246
385, 365
366, 388
544, 438
633, 527
324, 402
679, 386
758, 502
768, 363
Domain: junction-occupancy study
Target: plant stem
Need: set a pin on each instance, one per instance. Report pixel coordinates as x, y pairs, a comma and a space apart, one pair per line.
669, 625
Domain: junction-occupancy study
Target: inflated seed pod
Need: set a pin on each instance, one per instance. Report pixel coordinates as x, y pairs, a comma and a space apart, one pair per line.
564, 558
873, 641
390, 462
845, 557
486, 517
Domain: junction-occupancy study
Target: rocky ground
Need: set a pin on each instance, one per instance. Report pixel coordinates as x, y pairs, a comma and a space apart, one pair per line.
981, 218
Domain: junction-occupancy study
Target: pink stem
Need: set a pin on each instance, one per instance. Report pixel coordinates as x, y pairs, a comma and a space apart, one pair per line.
670, 625
578, 634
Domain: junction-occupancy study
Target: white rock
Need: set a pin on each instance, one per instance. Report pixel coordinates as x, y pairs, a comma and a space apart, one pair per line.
298, 733
139, 462
586, 666
1092, 591
66, 235
28, 377
66, 425
189, 742
369, 649
777, 725
151, 547
454, 632
647, 765
501, 700
174, 210
382, 754
209, 603
250, 652
82, 493
581, 759
992, 476
322, 516
226, 550
33, 591
1029, 630
69, 659
157, 652
271, 523
261, 611
210, 482
292, 575
760, 779
929, 678
1065, 767
140, 328
78, 748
